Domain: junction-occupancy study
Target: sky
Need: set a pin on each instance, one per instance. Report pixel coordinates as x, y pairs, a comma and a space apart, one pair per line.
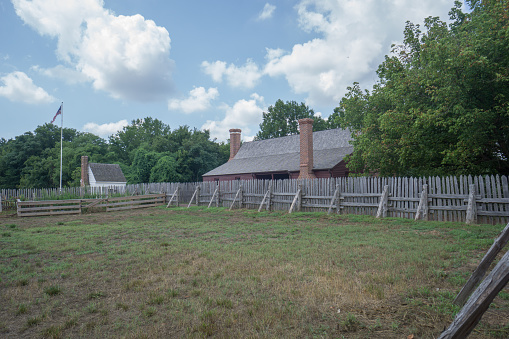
206, 64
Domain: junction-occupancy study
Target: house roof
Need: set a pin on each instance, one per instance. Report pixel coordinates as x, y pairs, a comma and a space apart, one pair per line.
107, 172
283, 154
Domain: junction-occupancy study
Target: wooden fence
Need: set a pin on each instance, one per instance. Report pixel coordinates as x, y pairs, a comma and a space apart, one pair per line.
482, 199
76, 206
465, 199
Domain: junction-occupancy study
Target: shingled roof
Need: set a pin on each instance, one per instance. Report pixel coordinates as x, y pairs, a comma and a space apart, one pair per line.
283, 154
107, 172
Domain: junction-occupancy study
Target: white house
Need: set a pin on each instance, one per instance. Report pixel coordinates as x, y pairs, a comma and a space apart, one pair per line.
101, 175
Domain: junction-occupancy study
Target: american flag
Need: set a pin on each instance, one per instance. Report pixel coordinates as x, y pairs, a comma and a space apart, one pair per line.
58, 112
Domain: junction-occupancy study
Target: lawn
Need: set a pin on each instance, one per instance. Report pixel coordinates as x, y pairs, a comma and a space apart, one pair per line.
201, 272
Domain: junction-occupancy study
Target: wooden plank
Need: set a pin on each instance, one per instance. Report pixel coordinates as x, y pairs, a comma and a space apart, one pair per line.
448, 208
294, 204
49, 208
489, 194
382, 206
134, 207
422, 208
36, 214
483, 266
403, 199
402, 210
493, 213
333, 200
470, 315
471, 215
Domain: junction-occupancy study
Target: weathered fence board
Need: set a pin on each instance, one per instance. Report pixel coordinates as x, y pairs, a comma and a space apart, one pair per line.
76, 206
447, 198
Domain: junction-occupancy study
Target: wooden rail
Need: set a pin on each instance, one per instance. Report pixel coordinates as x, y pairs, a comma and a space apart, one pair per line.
76, 206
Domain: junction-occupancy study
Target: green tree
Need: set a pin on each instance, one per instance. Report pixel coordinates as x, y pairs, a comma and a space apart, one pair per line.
152, 132
440, 106
15, 152
282, 119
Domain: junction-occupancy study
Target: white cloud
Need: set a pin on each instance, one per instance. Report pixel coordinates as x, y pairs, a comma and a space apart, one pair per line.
18, 87
69, 75
244, 114
267, 12
353, 37
126, 56
198, 100
105, 130
246, 76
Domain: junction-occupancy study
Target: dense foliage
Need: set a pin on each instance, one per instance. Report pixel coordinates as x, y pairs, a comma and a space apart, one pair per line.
282, 119
440, 106
147, 151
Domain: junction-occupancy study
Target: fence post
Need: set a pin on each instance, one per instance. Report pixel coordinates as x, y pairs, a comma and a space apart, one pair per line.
472, 206
236, 195
269, 197
479, 272
241, 197
297, 200
470, 315
334, 199
18, 208
218, 196
198, 190
422, 209
382, 207
0, 203
214, 196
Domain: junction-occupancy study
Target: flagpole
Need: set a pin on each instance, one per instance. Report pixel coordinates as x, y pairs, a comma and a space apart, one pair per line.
61, 140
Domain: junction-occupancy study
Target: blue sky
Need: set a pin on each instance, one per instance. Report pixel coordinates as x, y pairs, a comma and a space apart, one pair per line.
207, 64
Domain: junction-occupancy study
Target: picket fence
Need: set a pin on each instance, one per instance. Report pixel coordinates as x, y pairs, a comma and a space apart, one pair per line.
483, 199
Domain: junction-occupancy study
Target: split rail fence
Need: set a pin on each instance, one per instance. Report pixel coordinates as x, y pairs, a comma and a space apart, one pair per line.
76, 206
481, 199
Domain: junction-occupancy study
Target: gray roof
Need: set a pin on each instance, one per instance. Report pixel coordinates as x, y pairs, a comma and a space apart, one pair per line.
107, 172
283, 154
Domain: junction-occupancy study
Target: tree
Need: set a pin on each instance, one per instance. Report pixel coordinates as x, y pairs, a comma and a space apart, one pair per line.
283, 119
152, 132
17, 151
440, 106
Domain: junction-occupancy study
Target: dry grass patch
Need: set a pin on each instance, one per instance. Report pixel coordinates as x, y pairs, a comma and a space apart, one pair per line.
196, 273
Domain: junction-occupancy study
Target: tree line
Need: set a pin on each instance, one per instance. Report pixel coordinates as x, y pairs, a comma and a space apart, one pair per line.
147, 150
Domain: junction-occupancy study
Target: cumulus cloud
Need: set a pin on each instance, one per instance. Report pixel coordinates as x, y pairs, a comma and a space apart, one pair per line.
246, 76
18, 87
244, 114
267, 12
199, 100
105, 130
69, 75
126, 56
353, 38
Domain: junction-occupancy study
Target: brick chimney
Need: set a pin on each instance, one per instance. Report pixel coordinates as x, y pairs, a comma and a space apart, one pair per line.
84, 171
306, 149
234, 142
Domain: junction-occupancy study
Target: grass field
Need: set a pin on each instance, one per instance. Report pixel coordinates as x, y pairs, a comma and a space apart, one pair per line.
211, 272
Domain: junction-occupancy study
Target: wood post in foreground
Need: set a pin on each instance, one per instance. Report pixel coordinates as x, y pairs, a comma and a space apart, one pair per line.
480, 271
470, 315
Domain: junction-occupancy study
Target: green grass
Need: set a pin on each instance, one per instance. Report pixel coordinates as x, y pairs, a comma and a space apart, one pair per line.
212, 272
